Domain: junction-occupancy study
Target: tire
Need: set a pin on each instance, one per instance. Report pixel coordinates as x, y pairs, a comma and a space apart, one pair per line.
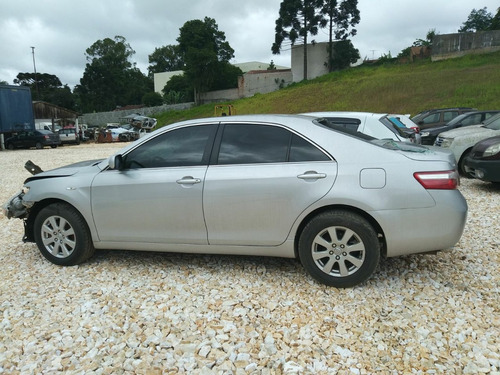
10, 146
461, 165
38, 146
53, 146
62, 235
339, 249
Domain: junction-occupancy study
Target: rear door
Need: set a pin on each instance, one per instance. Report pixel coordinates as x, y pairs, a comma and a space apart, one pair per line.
260, 180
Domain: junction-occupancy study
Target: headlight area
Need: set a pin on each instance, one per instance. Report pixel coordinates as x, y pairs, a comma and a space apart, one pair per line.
16, 207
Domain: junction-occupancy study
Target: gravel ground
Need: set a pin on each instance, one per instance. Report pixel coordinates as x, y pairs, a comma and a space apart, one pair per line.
149, 313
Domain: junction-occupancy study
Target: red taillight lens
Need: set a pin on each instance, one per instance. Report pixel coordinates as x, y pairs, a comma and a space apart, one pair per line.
46, 137
446, 180
416, 128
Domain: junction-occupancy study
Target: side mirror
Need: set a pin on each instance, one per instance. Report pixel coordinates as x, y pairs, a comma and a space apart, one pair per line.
115, 162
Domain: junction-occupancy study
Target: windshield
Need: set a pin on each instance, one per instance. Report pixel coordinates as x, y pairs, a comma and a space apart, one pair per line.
493, 122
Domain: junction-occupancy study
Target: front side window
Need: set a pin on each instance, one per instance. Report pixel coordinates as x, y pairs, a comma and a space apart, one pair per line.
449, 115
472, 120
177, 148
250, 144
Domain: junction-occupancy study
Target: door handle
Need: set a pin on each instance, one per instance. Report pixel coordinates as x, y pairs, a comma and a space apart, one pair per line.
311, 175
188, 180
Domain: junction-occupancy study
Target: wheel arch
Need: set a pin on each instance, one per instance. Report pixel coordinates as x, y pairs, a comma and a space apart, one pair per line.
29, 230
461, 160
376, 226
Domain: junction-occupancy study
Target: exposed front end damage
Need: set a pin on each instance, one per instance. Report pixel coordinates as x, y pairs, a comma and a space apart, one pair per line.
16, 207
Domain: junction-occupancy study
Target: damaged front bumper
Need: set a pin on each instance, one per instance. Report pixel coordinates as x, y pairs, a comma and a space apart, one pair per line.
15, 207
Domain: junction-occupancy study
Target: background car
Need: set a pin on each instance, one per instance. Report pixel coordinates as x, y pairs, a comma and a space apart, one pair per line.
483, 162
69, 135
429, 135
265, 185
460, 141
376, 125
34, 138
436, 117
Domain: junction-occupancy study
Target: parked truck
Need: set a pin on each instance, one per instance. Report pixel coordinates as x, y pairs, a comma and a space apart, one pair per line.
16, 111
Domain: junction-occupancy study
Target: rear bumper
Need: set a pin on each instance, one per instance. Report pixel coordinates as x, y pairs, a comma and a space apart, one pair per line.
422, 230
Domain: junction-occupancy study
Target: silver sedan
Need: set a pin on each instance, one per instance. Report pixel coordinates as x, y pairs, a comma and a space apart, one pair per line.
267, 185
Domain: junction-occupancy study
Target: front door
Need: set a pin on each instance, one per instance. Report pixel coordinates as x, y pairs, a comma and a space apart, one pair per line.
157, 196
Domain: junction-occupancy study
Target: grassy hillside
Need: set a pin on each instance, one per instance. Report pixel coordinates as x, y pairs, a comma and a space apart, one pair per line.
471, 81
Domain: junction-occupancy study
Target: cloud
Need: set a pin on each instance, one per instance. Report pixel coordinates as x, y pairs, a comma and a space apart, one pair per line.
62, 30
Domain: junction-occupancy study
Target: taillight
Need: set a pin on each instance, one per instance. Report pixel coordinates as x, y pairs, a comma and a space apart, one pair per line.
416, 128
445, 180
46, 137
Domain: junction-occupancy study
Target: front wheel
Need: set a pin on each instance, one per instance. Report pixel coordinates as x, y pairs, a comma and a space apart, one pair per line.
339, 248
461, 165
62, 235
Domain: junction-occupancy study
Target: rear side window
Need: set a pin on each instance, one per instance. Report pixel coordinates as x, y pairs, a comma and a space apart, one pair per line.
251, 144
301, 150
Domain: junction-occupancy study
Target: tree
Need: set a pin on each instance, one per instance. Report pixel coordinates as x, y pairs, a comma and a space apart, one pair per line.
205, 52
478, 20
152, 99
48, 88
178, 90
344, 54
165, 59
339, 17
110, 79
297, 19
495, 21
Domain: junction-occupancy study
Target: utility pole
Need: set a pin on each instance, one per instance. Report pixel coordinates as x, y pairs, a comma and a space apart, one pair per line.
36, 78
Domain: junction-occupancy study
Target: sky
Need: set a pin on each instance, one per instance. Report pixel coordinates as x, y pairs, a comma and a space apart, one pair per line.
61, 30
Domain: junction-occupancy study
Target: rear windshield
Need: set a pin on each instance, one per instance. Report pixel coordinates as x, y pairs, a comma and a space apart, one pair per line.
385, 143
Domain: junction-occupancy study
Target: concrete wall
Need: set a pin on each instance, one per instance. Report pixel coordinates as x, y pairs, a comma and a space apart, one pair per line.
251, 83
102, 118
460, 44
265, 81
317, 58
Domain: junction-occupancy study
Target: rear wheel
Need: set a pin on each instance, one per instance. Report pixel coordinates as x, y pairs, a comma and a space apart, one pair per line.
38, 146
339, 248
10, 146
62, 235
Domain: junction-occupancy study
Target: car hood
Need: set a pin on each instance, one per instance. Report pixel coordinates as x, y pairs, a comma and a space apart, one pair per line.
468, 130
67, 170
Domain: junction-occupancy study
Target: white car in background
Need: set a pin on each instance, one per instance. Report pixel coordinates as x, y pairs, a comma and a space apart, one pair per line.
460, 141
376, 125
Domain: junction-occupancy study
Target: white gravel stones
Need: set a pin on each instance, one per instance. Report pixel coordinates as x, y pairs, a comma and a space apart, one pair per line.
149, 313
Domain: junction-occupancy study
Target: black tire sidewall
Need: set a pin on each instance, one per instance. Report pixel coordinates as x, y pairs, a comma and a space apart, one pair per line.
352, 221
83, 248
